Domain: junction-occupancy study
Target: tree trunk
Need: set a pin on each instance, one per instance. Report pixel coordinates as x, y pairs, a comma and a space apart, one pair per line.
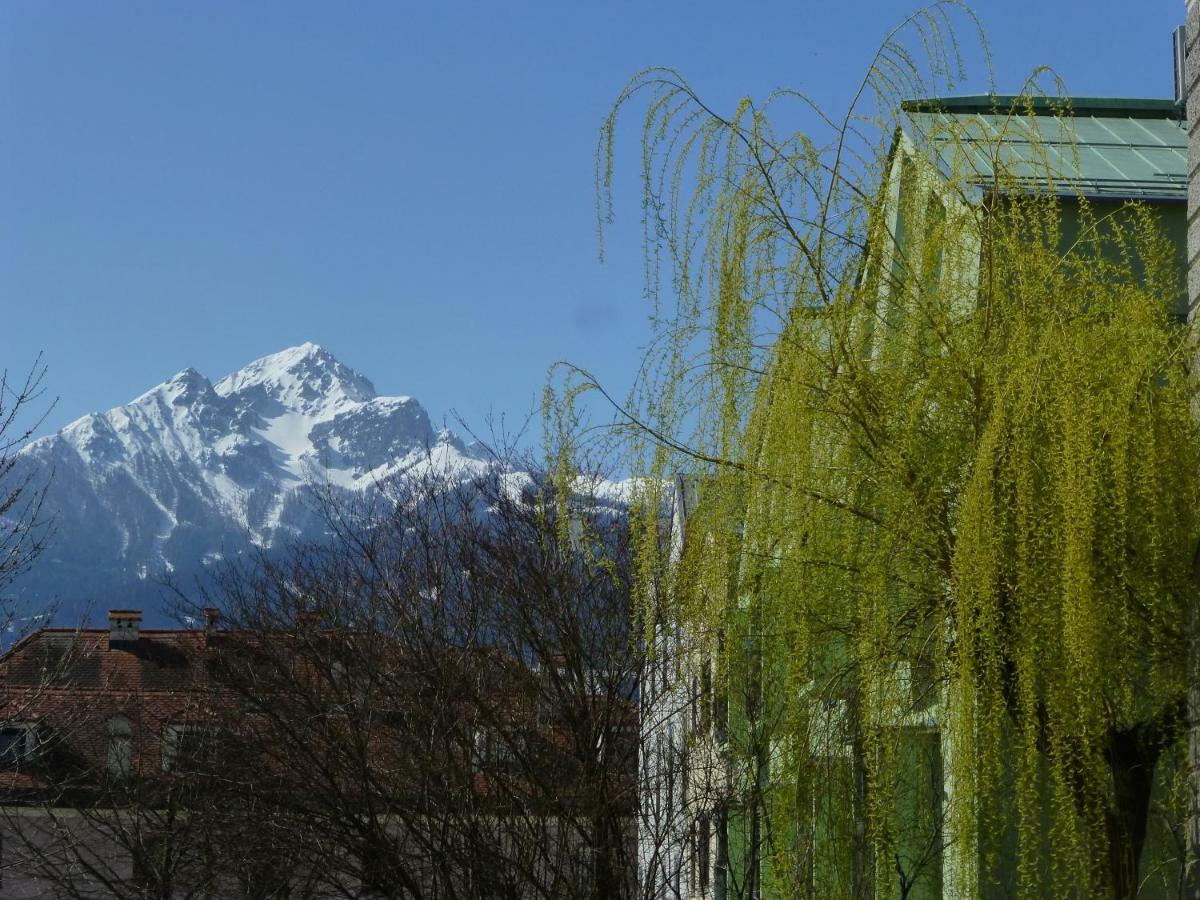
862, 857
1132, 757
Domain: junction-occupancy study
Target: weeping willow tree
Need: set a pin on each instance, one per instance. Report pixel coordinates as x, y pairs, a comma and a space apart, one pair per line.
943, 421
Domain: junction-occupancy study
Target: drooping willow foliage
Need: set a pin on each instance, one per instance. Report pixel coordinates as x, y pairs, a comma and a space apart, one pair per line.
942, 422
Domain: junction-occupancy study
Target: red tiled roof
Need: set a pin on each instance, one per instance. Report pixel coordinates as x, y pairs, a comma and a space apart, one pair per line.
160, 660
76, 682
71, 683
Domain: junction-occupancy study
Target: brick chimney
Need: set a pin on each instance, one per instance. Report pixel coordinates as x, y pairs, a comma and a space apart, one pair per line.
123, 625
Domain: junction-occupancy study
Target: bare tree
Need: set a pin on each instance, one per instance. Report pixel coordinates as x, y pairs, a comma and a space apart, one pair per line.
441, 701
24, 528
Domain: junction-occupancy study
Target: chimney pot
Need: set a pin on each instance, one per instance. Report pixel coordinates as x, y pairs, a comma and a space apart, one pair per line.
123, 625
212, 616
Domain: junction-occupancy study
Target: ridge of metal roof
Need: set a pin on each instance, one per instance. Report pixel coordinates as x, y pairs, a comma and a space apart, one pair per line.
1103, 148
1100, 107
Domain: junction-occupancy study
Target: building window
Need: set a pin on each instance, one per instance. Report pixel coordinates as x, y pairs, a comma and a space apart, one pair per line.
695, 703
119, 731
703, 855
493, 749
692, 857
189, 746
616, 744
17, 745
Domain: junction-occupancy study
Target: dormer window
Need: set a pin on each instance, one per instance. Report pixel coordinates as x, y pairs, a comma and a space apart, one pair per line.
190, 746
119, 731
493, 749
18, 743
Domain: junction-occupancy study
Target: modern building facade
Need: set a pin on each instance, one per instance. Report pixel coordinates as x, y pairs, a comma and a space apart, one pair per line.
706, 844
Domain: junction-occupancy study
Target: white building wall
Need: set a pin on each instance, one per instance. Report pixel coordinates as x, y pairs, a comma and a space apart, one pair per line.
1191, 79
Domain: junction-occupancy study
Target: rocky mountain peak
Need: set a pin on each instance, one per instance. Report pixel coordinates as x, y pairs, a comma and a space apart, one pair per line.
190, 473
301, 378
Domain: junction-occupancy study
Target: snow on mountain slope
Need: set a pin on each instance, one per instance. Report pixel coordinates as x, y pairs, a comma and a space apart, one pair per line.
191, 472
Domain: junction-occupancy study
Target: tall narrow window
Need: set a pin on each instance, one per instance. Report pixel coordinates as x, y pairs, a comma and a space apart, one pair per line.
907, 209
696, 703
120, 746
692, 856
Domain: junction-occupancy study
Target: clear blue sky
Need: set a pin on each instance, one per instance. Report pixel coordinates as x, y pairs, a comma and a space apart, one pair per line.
408, 184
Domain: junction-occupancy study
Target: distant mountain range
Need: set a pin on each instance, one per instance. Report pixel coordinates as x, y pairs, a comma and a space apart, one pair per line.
191, 473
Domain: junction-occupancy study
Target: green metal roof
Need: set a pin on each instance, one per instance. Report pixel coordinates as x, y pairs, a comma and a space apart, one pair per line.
1134, 107
1104, 148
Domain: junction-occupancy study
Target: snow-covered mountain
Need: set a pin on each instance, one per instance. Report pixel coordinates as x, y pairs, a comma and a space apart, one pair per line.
192, 472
